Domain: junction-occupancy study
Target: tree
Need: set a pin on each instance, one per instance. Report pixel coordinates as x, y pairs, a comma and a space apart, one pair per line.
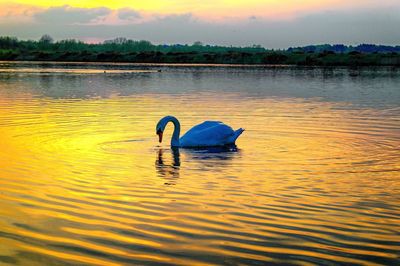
119, 40
46, 39
8, 42
197, 43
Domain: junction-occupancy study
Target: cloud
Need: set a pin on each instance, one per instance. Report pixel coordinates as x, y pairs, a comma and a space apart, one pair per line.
66, 15
128, 14
348, 27
17, 13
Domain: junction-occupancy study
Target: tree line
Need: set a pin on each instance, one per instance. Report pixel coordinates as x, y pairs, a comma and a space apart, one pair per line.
46, 43
142, 51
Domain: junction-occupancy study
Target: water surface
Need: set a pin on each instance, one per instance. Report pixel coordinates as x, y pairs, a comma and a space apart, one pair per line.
314, 180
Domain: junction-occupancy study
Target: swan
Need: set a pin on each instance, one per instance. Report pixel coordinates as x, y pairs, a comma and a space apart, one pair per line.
206, 134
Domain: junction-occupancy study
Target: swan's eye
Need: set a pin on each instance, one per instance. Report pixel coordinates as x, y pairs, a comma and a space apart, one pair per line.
159, 131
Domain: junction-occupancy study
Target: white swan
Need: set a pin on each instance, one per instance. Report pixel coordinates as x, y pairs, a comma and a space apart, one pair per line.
206, 134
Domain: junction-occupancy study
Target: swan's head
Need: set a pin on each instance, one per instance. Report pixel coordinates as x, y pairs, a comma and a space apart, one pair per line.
163, 123
161, 126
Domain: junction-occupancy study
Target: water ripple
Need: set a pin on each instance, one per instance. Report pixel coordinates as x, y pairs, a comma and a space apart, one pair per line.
84, 180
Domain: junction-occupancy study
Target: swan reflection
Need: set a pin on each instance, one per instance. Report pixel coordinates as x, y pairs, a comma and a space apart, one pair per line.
168, 166
169, 171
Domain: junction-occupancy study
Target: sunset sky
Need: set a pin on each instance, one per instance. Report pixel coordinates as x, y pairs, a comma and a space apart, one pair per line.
271, 23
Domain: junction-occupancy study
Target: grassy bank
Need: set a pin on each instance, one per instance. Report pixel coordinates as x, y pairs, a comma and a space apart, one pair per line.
229, 57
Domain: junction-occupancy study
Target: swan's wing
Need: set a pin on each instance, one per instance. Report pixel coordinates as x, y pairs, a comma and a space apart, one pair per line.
204, 125
208, 133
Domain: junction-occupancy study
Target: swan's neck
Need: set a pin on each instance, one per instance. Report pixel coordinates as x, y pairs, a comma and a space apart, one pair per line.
177, 131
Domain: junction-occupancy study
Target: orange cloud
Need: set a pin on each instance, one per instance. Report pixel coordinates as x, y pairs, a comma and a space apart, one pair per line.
12, 9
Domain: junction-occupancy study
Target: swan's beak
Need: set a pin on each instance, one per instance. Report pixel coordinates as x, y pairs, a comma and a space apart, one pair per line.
160, 133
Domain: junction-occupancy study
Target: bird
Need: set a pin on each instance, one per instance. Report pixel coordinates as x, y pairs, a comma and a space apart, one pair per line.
206, 134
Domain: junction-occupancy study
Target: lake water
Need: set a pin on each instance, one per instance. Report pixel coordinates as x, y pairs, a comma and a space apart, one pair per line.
315, 178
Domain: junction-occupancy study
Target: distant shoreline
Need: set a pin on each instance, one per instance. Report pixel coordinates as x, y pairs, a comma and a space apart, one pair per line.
200, 65
123, 50
354, 59
140, 64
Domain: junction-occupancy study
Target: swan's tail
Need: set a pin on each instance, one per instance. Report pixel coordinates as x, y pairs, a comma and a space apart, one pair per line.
236, 134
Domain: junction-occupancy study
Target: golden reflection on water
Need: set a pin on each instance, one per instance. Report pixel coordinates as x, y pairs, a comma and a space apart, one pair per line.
85, 181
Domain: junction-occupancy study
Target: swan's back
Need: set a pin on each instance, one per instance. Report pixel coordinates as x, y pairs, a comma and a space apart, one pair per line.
206, 125
209, 133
